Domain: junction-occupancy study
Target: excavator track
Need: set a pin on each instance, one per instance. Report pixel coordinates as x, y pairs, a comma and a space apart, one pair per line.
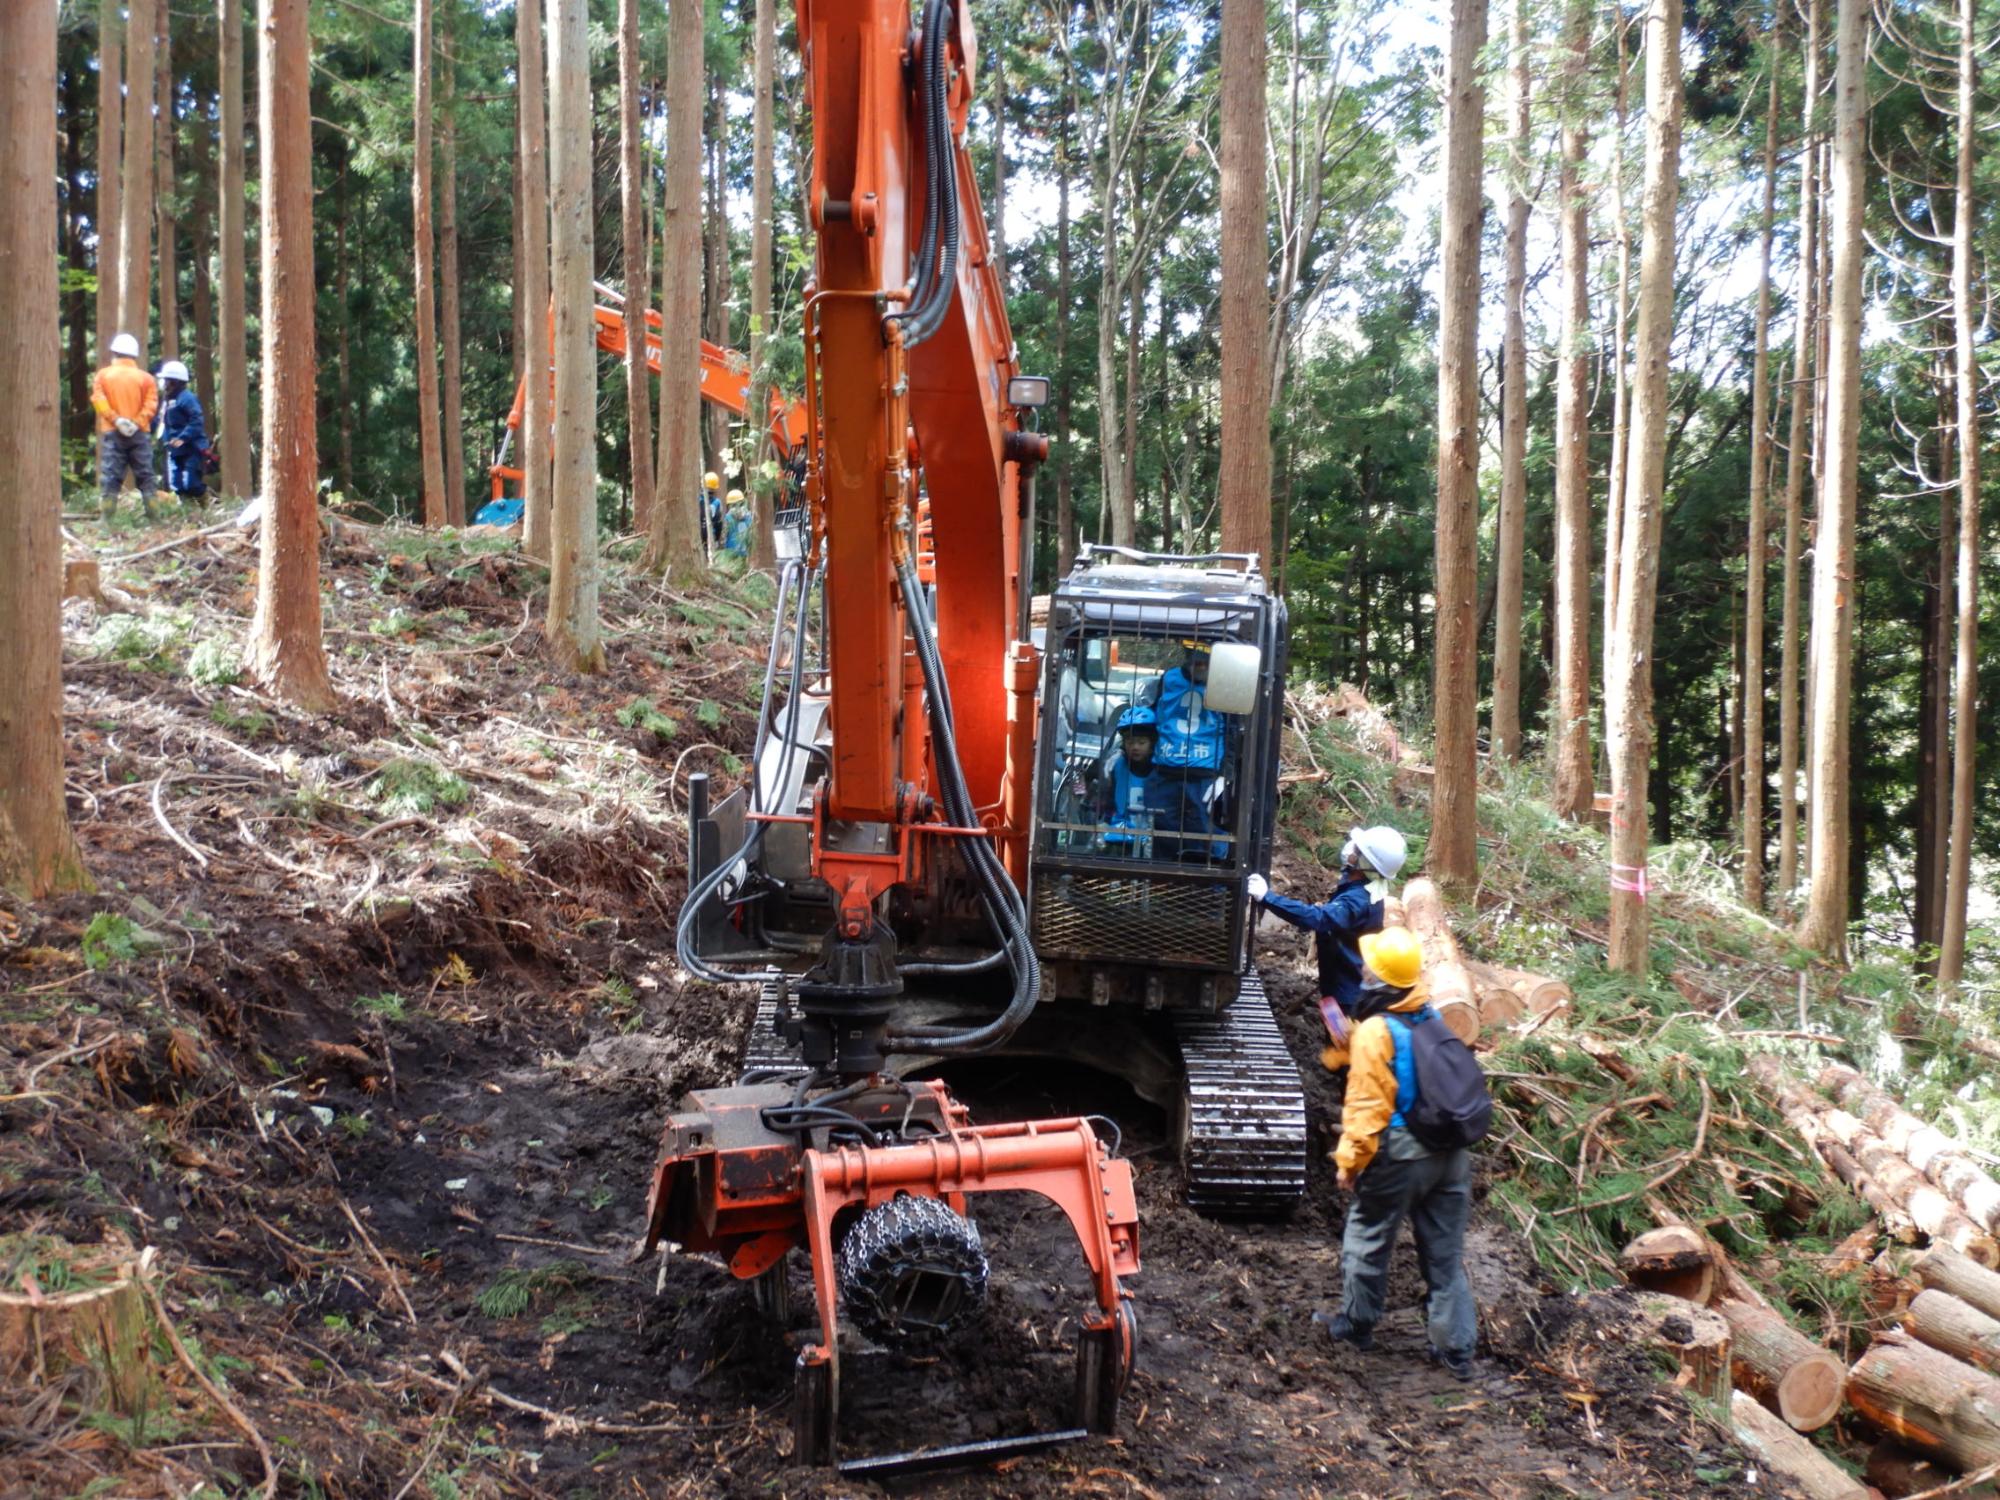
764, 1049
1245, 1149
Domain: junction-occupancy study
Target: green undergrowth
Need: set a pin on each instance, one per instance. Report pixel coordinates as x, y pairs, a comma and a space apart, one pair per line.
1636, 1105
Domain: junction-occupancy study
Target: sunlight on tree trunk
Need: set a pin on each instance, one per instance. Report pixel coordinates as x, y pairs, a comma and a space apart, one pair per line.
110, 163
674, 543
762, 490
1246, 296
1621, 393
233, 356
1452, 856
429, 442
1805, 340
135, 200
1824, 925
38, 853
572, 628
638, 277
1756, 551
285, 651
1511, 531
533, 129
1966, 314
1630, 690
1575, 780
451, 348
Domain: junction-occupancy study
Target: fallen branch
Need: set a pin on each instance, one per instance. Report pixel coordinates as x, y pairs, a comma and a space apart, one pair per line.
160, 817
395, 1281
233, 523
215, 1394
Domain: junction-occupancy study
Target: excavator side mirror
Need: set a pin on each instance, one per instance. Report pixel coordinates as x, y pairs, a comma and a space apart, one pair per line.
1028, 390
1233, 671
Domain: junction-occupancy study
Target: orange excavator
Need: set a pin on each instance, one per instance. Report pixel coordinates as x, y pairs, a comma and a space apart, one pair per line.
963, 836
725, 380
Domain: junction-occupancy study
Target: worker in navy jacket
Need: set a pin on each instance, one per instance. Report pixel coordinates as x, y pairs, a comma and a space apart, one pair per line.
1368, 863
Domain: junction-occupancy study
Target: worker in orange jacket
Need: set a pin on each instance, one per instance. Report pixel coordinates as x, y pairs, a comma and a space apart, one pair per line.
1391, 1173
126, 400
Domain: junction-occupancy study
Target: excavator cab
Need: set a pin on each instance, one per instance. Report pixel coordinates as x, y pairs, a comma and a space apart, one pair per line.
1156, 776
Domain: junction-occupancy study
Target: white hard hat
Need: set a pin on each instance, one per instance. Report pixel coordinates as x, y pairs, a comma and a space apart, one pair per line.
126, 345
1383, 848
173, 369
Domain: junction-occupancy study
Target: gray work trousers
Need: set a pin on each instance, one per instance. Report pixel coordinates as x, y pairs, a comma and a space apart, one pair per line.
117, 454
1434, 1191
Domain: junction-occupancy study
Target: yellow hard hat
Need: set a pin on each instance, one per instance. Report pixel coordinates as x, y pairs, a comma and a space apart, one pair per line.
734, 497
711, 481
1394, 954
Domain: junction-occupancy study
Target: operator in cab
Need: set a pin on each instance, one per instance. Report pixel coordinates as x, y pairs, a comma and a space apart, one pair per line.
1371, 860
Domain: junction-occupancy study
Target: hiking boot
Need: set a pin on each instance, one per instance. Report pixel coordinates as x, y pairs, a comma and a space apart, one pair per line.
1459, 1367
1341, 1331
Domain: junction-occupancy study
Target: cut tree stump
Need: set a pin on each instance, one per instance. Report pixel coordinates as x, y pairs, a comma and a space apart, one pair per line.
1696, 1336
1925, 1147
1673, 1259
1898, 1471
1781, 1367
1955, 1328
1940, 1406
101, 1323
81, 578
1966, 1280
1777, 1448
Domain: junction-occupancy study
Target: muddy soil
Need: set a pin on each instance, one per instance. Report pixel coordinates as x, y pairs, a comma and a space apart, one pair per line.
395, 1165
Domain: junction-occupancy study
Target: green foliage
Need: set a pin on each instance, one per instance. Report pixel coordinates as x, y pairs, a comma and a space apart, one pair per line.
388, 1006
215, 663
517, 1289
641, 714
149, 642
109, 939
409, 784
709, 712
251, 723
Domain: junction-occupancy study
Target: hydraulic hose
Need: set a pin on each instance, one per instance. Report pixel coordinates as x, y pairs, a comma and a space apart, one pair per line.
703, 890
998, 895
933, 273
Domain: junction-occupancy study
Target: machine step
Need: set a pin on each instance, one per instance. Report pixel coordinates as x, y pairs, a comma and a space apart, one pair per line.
1245, 1151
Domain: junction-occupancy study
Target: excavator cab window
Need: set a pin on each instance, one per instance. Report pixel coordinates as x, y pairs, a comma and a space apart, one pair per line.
1140, 768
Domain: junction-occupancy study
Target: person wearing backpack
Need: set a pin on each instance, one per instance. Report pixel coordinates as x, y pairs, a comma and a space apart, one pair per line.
1416, 1103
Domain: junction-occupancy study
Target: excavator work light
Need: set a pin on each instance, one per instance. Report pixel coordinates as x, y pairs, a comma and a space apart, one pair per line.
1028, 390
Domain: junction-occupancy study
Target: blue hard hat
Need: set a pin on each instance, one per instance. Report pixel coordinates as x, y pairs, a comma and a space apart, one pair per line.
1138, 717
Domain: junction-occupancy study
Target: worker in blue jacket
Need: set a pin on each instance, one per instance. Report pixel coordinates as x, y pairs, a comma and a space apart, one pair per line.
182, 434
1368, 863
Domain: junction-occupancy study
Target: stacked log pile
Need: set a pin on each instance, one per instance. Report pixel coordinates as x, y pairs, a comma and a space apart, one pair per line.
1949, 1200
1932, 1383
1471, 996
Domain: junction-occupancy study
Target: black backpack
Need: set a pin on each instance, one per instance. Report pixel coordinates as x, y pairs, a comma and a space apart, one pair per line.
1453, 1110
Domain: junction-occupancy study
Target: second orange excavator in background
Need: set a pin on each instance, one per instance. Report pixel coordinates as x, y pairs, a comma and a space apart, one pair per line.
725, 381
962, 835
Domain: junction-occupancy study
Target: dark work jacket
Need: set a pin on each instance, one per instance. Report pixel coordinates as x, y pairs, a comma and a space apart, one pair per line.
1336, 925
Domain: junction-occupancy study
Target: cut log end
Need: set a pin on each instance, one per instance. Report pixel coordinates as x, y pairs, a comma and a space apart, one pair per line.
1672, 1259
1801, 1381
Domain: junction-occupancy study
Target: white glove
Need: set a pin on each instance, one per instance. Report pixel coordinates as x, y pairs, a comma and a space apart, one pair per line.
126, 426
1259, 887
1348, 853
